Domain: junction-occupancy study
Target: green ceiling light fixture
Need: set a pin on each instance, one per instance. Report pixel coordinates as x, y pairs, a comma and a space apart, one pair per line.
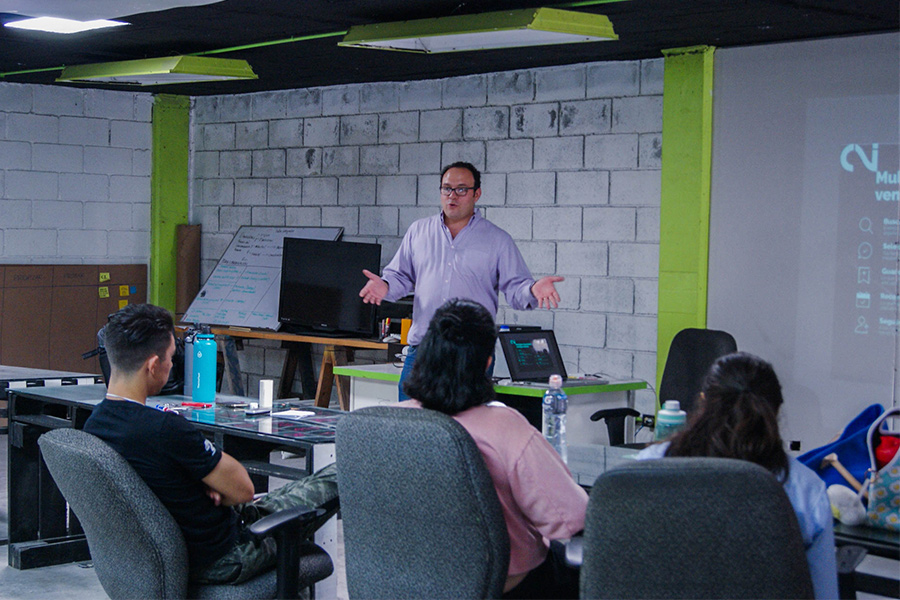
486, 31
159, 71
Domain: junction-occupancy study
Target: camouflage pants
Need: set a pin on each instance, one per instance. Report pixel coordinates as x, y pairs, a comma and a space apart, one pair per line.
250, 557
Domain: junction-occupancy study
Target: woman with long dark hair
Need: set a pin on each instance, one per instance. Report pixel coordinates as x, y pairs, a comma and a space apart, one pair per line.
540, 500
737, 417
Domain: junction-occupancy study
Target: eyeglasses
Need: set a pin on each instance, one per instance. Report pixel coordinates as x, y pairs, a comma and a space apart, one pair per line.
459, 191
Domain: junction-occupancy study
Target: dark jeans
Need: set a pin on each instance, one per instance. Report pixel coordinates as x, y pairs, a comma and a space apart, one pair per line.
552, 579
407, 369
249, 557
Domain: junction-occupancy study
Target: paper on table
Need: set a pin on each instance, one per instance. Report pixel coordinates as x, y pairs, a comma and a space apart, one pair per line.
294, 414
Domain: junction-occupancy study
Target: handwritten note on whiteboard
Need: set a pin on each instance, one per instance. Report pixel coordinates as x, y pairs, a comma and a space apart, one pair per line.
243, 289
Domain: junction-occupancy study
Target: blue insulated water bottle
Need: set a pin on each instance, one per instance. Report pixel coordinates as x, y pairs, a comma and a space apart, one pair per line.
204, 367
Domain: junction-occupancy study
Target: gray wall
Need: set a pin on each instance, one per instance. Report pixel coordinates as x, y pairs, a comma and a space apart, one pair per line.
74, 175
571, 161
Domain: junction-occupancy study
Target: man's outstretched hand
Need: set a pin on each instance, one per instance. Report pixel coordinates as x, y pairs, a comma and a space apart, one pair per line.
376, 289
545, 292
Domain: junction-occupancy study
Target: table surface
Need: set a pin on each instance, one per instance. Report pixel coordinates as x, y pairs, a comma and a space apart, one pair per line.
588, 461
391, 372
307, 423
27, 373
315, 428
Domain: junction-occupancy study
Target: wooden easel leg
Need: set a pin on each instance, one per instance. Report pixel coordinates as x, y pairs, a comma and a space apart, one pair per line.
326, 378
333, 356
341, 356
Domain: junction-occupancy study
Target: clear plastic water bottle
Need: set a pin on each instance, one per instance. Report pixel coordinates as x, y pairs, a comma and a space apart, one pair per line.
204, 368
669, 419
554, 423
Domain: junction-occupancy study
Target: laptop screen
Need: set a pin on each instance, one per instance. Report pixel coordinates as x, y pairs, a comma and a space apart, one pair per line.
531, 355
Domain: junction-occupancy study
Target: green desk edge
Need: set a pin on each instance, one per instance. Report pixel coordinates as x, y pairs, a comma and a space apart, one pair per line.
537, 392
504, 389
351, 372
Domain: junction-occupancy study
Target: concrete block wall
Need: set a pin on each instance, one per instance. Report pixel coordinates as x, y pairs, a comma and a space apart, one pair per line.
570, 158
74, 175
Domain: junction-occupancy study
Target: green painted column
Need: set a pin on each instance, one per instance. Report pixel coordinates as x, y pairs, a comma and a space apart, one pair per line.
684, 209
168, 193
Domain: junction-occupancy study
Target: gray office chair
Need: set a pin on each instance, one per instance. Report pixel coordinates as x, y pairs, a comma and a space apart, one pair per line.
138, 549
420, 513
692, 528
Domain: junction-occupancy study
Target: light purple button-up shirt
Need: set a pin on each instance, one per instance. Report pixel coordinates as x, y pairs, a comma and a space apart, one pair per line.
478, 264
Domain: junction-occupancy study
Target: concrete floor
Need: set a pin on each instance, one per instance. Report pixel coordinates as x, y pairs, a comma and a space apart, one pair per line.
68, 582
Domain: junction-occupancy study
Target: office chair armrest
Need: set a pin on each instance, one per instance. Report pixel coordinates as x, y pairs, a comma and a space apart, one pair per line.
297, 516
612, 413
299, 561
574, 551
848, 558
615, 422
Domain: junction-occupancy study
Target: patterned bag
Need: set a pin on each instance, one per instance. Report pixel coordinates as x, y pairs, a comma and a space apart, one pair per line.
883, 484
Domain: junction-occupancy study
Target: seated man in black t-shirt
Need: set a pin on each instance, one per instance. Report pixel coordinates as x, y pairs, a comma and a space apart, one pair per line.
208, 492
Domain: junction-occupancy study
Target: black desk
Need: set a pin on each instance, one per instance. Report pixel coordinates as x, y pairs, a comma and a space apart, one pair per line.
42, 529
588, 461
22, 377
27, 377
877, 542
19, 377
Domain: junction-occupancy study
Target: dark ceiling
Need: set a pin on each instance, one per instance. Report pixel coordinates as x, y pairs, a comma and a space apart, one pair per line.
645, 27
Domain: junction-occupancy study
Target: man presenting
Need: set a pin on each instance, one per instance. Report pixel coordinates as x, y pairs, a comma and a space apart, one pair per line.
196, 482
457, 253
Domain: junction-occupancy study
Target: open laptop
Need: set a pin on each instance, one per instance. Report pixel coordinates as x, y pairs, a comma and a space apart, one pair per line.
533, 356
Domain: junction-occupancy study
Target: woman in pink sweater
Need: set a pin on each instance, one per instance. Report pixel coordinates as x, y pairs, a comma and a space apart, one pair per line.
540, 500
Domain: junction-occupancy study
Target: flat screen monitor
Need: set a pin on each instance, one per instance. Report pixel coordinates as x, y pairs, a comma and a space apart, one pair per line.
320, 283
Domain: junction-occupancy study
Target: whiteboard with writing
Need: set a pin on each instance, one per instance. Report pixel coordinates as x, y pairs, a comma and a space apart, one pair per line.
243, 289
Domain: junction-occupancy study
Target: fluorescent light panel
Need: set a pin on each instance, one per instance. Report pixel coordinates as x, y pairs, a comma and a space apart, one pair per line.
58, 25
503, 29
480, 41
160, 71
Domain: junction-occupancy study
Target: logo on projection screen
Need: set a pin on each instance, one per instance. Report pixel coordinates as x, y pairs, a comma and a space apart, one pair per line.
869, 162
